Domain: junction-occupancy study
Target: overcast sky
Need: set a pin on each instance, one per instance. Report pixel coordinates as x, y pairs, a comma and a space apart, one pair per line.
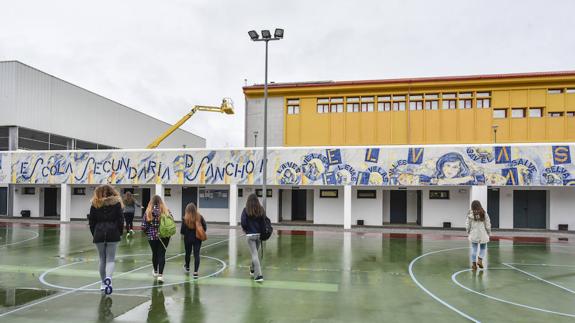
161, 57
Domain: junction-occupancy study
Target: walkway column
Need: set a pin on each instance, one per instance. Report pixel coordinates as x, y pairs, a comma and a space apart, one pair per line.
159, 188
347, 207
65, 202
478, 193
233, 207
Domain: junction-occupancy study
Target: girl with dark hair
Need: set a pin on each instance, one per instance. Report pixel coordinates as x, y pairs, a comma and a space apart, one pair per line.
151, 226
106, 224
129, 210
478, 230
194, 231
252, 224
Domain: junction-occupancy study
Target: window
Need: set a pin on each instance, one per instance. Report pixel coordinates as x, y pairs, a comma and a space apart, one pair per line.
555, 114
79, 191
431, 105
535, 112
336, 105
29, 190
500, 113
293, 106
353, 107
483, 103
259, 192
465, 104
570, 91
449, 104
466, 95
483, 94
323, 105
367, 104
448, 95
416, 97
554, 91
439, 195
384, 103
167, 191
213, 199
416, 102
240, 192
518, 113
332, 194
570, 114
366, 194
431, 96
399, 103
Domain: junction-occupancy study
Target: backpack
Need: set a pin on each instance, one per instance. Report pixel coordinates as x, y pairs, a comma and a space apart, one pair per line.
266, 228
167, 226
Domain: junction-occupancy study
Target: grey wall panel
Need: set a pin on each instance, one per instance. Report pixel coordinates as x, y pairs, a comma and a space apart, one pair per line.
255, 121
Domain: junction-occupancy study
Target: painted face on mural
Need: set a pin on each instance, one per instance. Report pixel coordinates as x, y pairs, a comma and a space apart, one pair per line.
451, 169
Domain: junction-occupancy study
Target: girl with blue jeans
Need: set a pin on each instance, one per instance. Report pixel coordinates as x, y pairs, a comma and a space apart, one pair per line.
478, 228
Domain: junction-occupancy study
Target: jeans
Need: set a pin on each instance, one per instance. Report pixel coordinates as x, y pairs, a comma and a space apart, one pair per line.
255, 244
191, 243
107, 252
159, 254
482, 248
129, 217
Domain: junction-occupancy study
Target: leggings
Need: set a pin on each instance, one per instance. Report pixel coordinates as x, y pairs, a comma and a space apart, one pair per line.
191, 243
482, 248
129, 217
159, 254
107, 252
254, 243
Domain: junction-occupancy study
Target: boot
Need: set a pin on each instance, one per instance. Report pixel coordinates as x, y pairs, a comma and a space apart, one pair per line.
474, 266
480, 263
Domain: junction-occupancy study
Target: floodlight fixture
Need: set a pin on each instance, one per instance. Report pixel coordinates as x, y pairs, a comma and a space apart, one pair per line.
253, 35
279, 33
266, 34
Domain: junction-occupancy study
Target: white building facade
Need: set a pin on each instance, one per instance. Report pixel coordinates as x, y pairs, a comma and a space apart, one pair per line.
521, 185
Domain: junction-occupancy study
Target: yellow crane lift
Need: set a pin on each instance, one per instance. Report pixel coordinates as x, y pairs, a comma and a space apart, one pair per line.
227, 107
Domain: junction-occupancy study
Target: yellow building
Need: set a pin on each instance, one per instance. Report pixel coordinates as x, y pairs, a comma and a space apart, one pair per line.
528, 107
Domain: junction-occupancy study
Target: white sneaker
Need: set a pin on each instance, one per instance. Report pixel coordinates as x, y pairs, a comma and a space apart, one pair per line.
154, 273
160, 279
102, 287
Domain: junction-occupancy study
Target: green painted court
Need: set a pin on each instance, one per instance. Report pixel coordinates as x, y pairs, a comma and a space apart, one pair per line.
48, 273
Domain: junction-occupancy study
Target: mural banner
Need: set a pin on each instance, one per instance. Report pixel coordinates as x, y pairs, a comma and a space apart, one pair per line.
497, 165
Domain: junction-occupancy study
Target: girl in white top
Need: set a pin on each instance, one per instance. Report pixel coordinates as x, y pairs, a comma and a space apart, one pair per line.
478, 230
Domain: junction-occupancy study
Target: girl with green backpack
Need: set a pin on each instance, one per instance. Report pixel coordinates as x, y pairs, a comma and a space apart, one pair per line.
159, 226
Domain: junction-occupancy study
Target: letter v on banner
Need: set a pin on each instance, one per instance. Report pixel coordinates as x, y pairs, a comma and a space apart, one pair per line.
415, 156
502, 155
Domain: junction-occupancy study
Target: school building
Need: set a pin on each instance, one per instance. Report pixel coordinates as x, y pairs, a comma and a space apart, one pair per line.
523, 185
507, 108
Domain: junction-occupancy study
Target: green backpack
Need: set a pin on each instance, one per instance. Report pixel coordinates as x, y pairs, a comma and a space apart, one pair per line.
167, 226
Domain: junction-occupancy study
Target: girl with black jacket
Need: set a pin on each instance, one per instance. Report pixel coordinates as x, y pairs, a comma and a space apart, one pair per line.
252, 224
192, 240
106, 224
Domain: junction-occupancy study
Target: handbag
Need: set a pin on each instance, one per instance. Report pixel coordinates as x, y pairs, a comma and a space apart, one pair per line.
200, 232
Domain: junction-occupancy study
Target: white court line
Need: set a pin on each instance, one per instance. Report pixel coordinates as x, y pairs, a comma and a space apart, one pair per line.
430, 293
540, 265
454, 279
539, 278
88, 285
18, 242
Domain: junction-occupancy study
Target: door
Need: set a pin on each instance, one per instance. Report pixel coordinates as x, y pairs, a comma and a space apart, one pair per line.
3, 201
145, 199
493, 206
298, 205
530, 209
398, 207
50, 201
418, 207
189, 195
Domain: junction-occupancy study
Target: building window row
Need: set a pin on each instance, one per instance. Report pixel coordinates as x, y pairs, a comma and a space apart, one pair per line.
561, 91
536, 112
400, 102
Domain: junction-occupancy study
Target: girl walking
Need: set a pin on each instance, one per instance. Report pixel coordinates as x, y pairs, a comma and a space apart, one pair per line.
194, 232
151, 226
252, 224
478, 230
106, 224
129, 210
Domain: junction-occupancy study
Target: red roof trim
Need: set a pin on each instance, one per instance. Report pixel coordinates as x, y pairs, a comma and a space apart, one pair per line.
413, 80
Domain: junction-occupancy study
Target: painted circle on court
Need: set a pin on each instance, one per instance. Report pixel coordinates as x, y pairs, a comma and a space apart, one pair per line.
43, 280
35, 236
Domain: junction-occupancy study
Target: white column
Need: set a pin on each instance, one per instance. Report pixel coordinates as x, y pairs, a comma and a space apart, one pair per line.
478, 193
233, 205
159, 188
347, 207
65, 202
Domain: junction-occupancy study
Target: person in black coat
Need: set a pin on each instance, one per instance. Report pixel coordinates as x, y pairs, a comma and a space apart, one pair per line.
192, 238
106, 224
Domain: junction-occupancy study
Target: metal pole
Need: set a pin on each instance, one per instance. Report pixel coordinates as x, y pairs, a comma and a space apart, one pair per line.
264, 189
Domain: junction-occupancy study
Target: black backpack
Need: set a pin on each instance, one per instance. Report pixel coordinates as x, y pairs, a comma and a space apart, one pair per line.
266, 228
